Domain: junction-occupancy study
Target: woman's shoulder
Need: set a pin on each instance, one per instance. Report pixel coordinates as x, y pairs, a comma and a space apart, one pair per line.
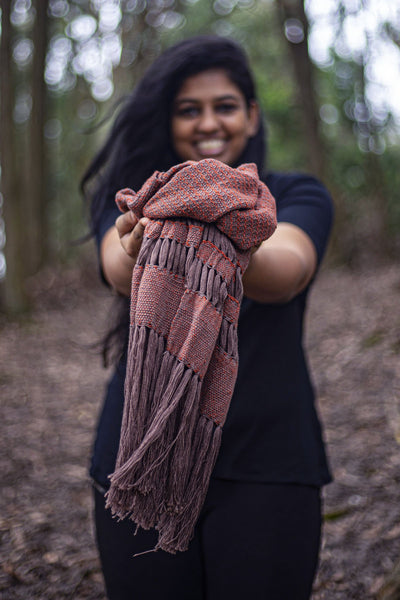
303, 200
281, 182
299, 190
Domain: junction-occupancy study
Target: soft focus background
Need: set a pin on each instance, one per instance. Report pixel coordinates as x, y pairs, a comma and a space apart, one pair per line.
328, 77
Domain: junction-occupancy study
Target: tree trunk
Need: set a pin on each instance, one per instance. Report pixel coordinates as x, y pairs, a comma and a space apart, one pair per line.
13, 294
374, 172
37, 183
304, 76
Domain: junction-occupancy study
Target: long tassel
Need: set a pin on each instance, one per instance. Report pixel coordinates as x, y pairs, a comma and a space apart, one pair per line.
125, 475
168, 448
176, 527
153, 482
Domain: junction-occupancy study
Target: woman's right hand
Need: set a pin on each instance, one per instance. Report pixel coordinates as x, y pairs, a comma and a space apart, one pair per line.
119, 251
130, 230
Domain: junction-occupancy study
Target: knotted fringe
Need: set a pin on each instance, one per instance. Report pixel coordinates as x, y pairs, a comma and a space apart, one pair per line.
168, 446
182, 356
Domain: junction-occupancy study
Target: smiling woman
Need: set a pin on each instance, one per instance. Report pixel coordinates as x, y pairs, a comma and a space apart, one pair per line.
211, 118
259, 527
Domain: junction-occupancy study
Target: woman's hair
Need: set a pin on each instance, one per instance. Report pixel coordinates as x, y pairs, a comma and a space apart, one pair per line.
140, 142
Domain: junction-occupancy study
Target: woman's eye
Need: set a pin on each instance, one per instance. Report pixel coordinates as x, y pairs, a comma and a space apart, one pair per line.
226, 108
187, 112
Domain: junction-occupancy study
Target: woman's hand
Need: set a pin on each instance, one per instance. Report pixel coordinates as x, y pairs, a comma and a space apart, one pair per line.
130, 230
119, 250
279, 269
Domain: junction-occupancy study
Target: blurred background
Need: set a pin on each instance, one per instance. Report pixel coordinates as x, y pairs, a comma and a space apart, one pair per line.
328, 78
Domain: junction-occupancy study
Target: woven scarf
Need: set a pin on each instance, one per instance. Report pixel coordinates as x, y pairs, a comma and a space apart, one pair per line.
182, 357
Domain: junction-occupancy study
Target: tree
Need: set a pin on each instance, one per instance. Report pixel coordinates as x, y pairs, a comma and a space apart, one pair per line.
23, 160
295, 26
83, 56
359, 131
37, 192
13, 292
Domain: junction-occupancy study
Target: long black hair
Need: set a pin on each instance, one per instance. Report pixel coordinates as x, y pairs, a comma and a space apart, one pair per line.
139, 141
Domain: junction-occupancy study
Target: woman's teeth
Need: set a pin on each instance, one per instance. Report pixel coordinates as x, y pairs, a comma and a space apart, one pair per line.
210, 146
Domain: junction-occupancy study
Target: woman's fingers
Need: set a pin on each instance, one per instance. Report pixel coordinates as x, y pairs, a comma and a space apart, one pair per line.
125, 223
130, 231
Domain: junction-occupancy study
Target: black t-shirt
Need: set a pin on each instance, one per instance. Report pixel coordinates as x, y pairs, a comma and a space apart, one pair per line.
272, 433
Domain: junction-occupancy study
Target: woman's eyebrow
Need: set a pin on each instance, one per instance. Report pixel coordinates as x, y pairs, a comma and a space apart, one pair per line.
216, 99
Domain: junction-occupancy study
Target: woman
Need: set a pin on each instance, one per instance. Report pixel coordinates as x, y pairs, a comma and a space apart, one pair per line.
259, 530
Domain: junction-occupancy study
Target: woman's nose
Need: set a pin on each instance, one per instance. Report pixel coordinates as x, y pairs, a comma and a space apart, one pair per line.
208, 121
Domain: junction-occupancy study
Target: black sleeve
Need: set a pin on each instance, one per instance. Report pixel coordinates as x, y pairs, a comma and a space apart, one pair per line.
305, 202
105, 221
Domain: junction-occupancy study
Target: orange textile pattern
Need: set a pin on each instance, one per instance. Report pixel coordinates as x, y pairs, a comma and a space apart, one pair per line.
205, 217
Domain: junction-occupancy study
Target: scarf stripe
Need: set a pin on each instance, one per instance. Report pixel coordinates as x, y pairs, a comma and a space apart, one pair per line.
182, 356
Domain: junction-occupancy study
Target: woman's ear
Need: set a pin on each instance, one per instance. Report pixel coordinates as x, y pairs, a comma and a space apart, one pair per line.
254, 118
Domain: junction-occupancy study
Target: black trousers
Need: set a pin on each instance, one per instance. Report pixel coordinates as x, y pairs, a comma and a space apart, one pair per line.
258, 541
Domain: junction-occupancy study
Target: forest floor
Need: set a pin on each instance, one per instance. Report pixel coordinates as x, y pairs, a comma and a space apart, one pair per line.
51, 383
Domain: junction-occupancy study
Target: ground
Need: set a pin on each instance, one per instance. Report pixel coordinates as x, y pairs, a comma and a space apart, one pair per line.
51, 382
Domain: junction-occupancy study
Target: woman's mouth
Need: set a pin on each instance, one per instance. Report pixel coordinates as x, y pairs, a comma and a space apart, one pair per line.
210, 147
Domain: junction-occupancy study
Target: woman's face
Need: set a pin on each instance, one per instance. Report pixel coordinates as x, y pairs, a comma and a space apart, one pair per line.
210, 118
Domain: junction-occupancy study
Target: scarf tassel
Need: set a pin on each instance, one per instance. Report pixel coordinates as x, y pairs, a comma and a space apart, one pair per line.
168, 448
163, 482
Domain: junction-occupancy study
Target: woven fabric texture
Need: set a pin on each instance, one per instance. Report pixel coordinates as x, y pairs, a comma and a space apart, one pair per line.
234, 200
182, 360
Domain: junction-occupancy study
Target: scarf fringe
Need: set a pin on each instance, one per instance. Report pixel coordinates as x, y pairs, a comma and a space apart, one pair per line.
168, 449
162, 483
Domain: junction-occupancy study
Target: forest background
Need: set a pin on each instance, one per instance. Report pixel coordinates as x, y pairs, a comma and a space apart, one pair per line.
321, 71
327, 73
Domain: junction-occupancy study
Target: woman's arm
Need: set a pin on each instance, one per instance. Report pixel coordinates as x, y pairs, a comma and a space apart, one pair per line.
119, 250
280, 269
282, 266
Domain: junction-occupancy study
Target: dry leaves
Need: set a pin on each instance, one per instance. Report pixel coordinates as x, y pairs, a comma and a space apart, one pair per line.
51, 386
